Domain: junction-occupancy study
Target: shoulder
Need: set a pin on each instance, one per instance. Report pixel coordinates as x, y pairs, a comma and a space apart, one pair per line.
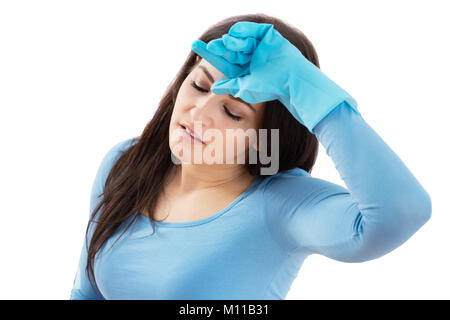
297, 206
287, 175
296, 184
117, 149
122, 146
105, 166
111, 157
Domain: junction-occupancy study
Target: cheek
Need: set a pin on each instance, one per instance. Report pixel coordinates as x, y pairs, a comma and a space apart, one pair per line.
181, 101
236, 145
181, 98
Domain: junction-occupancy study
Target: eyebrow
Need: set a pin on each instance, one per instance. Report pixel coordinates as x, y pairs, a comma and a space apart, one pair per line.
210, 77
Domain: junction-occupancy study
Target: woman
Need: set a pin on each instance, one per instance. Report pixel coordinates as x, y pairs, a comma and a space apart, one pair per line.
232, 231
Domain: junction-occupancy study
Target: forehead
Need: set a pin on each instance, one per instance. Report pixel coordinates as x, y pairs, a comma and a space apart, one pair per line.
216, 74
212, 70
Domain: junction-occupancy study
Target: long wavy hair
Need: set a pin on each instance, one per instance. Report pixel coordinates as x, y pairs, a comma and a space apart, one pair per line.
137, 177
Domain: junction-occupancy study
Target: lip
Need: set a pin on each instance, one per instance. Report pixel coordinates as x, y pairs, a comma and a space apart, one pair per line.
183, 126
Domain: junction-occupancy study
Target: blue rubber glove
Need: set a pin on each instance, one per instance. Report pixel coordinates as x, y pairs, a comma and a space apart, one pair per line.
262, 66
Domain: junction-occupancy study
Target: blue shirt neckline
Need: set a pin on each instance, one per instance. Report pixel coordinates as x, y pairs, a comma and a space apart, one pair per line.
208, 219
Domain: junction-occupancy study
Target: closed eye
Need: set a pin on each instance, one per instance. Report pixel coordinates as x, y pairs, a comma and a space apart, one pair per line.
197, 87
232, 116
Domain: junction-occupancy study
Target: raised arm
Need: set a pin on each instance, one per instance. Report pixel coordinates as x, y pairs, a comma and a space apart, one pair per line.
383, 206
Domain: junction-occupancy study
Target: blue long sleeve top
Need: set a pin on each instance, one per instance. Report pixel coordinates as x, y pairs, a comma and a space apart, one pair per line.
254, 248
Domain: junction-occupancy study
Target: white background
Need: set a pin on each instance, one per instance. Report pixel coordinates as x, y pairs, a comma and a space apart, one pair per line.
77, 77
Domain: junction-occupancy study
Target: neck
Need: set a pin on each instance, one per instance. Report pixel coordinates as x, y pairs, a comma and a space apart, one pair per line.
188, 178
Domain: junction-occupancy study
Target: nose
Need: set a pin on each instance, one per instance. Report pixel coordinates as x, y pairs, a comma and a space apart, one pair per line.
206, 109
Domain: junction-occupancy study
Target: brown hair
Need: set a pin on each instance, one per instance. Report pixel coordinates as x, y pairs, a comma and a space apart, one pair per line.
136, 178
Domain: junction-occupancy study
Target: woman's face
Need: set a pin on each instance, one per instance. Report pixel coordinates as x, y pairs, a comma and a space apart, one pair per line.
226, 126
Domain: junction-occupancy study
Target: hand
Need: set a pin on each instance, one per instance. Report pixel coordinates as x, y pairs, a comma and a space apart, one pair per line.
262, 66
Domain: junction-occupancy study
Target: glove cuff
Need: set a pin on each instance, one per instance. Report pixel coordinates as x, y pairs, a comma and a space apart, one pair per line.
313, 97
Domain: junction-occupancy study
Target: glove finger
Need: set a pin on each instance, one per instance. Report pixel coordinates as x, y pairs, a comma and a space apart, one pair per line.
217, 47
246, 87
238, 58
252, 91
225, 86
244, 45
228, 69
249, 29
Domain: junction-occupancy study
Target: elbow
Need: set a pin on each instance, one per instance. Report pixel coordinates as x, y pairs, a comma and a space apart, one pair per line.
402, 218
415, 209
425, 208
422, 207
